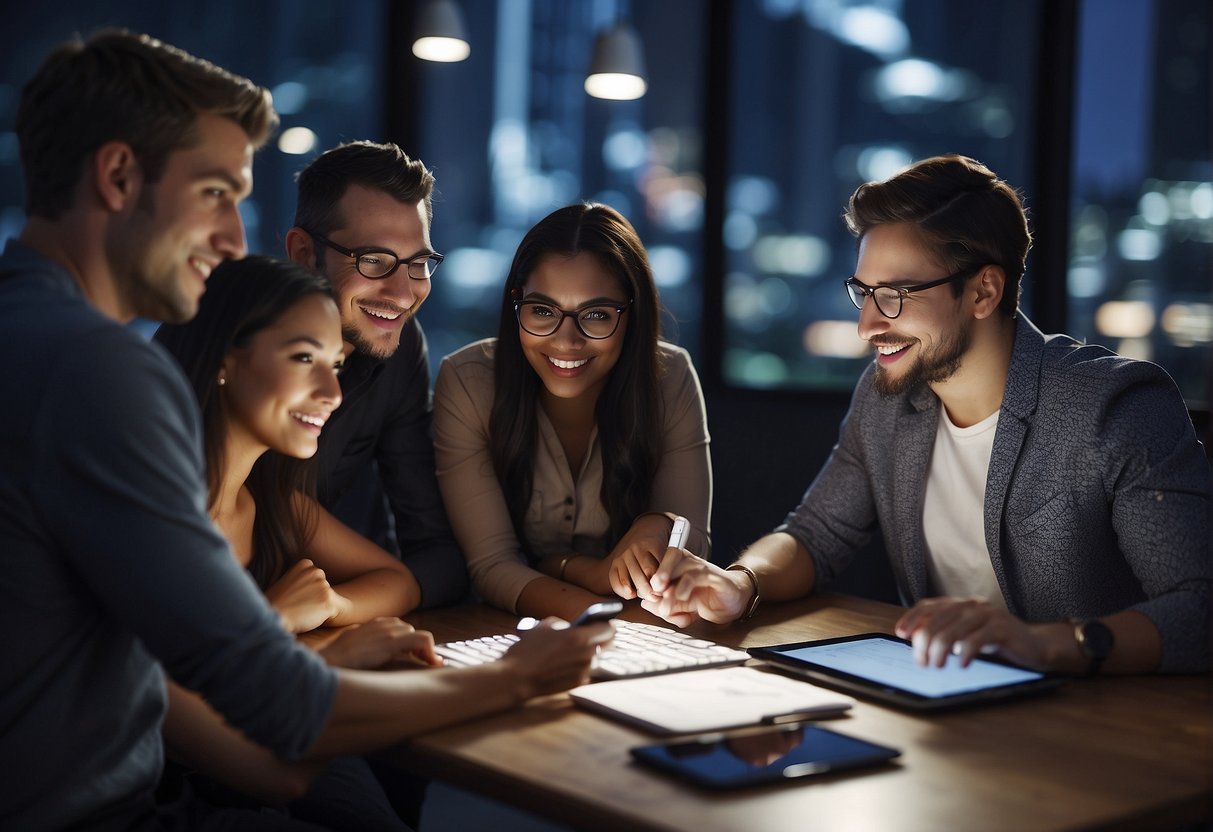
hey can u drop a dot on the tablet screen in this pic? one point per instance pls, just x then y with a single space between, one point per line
892 663
884 666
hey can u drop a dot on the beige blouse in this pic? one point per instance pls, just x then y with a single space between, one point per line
565 516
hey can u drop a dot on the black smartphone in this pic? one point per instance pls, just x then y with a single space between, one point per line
602 611
784 752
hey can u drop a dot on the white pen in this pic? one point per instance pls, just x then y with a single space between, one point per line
678 534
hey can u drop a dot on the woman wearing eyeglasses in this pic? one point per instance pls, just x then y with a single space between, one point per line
566 445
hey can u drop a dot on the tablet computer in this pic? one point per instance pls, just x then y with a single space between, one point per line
882 667
786 752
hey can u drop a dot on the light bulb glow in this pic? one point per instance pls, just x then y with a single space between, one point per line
615 86
442 50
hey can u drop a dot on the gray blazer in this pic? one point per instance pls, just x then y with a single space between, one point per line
1097 496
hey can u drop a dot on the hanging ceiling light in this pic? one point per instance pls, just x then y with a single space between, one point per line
617 65
441 33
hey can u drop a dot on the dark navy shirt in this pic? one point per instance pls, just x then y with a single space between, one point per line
384 419
111 569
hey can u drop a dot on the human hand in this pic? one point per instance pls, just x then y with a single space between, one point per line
687 587
637 556
303 597
379 642
553 656
965 627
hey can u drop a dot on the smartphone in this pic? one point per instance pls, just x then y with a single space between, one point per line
602 611
784 752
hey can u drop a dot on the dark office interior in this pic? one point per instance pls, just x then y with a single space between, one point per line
759 119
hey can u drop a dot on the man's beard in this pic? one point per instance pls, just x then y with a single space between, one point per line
939 364
379 349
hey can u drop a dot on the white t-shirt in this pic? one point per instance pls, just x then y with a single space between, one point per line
958 561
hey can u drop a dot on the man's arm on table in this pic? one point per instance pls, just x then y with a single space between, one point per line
375 709
687 587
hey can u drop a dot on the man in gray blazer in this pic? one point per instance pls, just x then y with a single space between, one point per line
1040 499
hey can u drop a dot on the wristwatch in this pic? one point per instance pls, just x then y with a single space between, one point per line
1095 641
748 613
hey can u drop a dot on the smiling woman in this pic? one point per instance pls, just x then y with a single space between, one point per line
263 356
566 444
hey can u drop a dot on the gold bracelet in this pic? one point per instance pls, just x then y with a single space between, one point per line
753 605
564 562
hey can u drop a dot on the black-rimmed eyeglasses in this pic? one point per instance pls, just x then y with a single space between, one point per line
889 298
595 321
378 263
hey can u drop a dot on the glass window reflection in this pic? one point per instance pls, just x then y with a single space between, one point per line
1141 244
845 93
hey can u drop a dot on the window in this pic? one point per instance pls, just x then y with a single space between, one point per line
511 135
320 59
1141 235
825 96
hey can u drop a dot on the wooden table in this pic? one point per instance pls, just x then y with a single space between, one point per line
1115 753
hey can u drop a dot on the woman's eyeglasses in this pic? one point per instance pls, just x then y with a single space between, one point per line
595 321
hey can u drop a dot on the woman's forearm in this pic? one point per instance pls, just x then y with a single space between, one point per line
381 592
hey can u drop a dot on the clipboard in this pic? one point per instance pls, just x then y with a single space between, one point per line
695 701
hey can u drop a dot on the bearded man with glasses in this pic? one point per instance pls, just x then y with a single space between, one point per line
363 220
1040 499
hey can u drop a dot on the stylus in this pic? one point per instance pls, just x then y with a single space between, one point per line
678 534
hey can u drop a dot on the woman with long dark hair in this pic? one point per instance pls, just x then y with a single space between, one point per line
263 360
566 445
262 356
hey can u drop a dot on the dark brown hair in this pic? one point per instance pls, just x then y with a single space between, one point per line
964 212
628 410
380 167
242 298
123 86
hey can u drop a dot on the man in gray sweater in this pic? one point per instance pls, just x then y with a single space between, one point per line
1039 499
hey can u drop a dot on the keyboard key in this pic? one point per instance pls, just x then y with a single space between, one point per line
638 650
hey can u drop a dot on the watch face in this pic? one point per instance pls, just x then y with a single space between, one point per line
1096 640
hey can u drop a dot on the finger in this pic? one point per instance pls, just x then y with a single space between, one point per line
960 629
667 570
690 576
664 609
598 634
638 578
939 649
920 641
620 585
423 648
912 619
967 649
647 563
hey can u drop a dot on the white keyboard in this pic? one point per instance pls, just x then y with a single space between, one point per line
638 650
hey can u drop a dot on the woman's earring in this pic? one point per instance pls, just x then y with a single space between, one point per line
222 380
